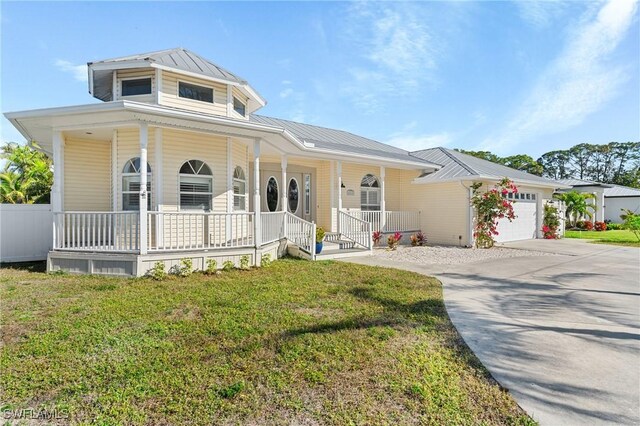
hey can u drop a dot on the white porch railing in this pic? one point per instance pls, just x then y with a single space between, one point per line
180 231
273 226
301 233
96 231
356 230
395 221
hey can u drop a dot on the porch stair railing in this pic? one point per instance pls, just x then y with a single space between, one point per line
356 230
395 221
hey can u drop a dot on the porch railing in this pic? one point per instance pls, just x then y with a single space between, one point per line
96 231
395 221
356 230
181 231
301 233
273 226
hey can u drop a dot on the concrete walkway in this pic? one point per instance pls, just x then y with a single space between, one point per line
560 332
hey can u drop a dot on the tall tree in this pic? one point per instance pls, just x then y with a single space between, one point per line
525 163
26 177
555 165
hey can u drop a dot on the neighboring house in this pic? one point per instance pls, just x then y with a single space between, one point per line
609 200
175 164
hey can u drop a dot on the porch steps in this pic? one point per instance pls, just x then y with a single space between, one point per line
341 253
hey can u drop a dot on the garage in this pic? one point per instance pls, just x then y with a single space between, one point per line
524 226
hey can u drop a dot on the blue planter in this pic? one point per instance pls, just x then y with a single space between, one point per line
318 248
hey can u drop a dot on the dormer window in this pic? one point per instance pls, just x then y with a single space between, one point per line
239 107
193 91
138 86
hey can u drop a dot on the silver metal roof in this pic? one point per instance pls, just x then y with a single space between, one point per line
582 182
457 165
181 59
340 140
610 190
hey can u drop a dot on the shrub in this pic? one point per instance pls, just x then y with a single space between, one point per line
614 226
394 240
631 222
186 267
550 222
490 206
588 225
212 267
600 226
265 260
157 272
418 239
377 236
228 265
244 262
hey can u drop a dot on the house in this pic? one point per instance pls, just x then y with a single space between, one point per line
609 200
174 163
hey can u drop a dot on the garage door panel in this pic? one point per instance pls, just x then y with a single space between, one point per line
523 226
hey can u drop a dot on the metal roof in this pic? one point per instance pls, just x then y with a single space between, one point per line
182 59
457 165
340 140
610 190
582 182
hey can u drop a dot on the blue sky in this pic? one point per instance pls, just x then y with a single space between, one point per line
525 77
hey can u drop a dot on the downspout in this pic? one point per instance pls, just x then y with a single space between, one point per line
470 212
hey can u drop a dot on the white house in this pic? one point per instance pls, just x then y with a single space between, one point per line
610 199
174 163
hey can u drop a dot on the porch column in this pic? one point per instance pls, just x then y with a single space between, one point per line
144 140
57 192
283 166
339 194
600 206
256 196
383 206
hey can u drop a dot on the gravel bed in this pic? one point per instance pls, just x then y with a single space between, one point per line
448 255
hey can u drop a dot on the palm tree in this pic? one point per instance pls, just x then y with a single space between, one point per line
576 205
26 177
14 189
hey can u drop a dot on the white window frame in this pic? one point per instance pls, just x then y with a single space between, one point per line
135 175
370 189
244 104
266 200
208 178
307 194
239 196
136 78
213 93
289 199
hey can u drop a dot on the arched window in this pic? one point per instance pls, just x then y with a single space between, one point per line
196 186
369 193
131 185
239 190
272 194
293 195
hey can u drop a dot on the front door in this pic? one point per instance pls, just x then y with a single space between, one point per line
298 187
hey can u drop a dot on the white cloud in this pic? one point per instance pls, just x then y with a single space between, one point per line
541 14
577 83
286 93
79 72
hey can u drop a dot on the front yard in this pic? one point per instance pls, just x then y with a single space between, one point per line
296 343
621 237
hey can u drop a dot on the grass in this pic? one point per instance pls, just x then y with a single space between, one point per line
621 237
298 342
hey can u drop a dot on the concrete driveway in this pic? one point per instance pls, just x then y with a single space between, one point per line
561 332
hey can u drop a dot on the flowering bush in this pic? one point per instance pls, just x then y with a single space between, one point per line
550 222
377 236
600 226
418 239
585 225
491 206
393 240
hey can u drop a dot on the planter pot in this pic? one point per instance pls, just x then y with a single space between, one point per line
318 248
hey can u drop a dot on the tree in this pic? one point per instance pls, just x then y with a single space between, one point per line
576 205
26 177
485 155
525 163
554 164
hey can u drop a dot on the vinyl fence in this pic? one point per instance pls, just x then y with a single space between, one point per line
26 232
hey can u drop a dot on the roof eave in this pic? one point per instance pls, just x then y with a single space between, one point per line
550 184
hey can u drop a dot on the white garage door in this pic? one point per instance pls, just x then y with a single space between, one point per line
523 226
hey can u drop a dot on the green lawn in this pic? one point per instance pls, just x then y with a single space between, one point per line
298 342
618 237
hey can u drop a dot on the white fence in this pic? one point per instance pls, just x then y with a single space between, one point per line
25 232
395 221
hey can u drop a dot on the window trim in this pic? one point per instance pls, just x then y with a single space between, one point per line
124 175
213 92
289 199
203 176
367 189
277 197
244 106
135 78
239 195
